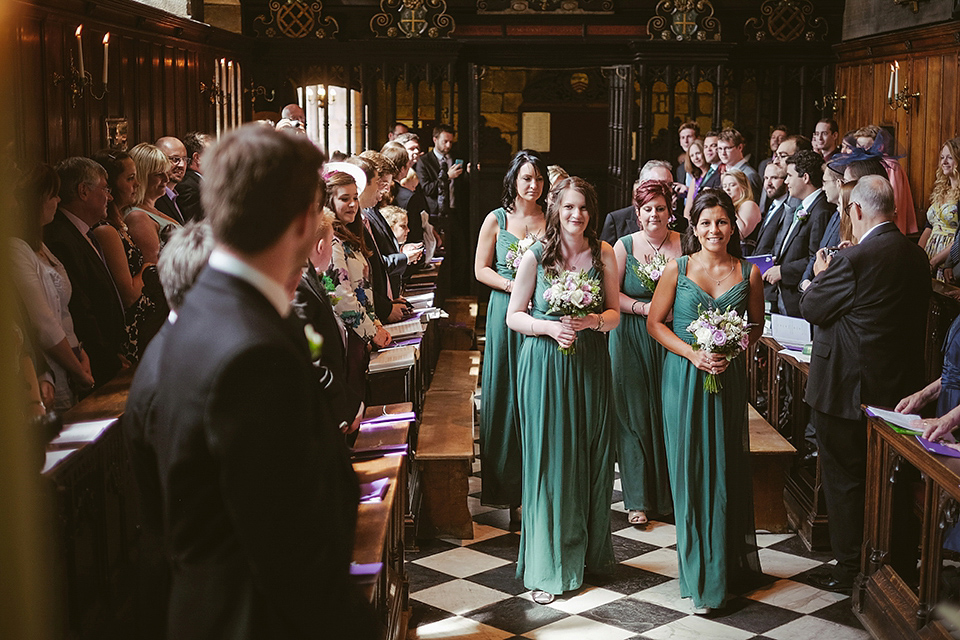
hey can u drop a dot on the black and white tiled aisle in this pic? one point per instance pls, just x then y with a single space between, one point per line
467 590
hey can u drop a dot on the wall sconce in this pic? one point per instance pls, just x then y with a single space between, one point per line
79 79
913 4
830 102
899 98
225 93
259 92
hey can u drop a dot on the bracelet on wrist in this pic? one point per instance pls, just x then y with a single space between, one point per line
599 322
633 307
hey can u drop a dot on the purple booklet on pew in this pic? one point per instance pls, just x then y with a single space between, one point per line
391 417
365 572
763 262
939 448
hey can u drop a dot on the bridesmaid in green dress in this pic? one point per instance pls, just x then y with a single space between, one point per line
565 406
519 220
707 436
637 360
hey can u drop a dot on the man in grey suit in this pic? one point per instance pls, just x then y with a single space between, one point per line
869 303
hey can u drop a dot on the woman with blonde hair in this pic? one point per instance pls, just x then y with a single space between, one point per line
736 185
147 225
938 235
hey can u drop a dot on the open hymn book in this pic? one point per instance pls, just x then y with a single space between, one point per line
393 359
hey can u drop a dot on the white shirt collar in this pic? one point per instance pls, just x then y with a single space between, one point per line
272 290
808 201
871 229
81 226
439 155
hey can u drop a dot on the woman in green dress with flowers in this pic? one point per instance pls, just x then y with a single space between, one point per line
564 398
707 437
637 358
505 234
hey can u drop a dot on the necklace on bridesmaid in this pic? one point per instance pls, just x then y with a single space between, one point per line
704 267
662 242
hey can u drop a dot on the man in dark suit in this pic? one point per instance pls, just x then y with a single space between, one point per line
188 190
781 205
95 305
799 235
689 131
869 303
730 148
231 441
176 153
777 135
711 154
623 222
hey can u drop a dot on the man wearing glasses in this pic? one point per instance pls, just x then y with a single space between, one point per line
176 152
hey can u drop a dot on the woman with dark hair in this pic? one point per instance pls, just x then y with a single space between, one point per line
145 309
637 358
44 288
564 398
707 436
518 223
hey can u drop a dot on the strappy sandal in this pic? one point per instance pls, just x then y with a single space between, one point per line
542 597
637 518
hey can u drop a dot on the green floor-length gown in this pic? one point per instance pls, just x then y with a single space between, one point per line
499 415
566 431
707 441
637 361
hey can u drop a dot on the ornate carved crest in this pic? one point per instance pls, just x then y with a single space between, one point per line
544 6
295 19
412 19
786 21
684 20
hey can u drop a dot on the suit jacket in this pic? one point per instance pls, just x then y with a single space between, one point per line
169 208
382 303
231 440
312 305
413 202
98 315
188 196
394 260
712 181
797 250
754 178
428 170
619 223
767 239
831 238
870 309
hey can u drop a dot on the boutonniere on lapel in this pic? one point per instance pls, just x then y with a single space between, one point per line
802 215
314 341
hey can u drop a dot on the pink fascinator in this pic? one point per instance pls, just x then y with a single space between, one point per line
350 169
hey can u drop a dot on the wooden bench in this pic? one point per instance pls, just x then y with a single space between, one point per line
459 331
444 452
770 456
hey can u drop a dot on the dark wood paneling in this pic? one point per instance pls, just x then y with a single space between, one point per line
157 62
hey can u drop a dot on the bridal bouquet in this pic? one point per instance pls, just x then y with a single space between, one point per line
572 293
723 332
651 272
515 251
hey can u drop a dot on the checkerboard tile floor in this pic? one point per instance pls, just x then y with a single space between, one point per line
467 589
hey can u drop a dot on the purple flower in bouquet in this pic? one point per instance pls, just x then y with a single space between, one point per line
651 272
726 333
572 293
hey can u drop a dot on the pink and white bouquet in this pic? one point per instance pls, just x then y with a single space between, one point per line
573 293
515 251
651 272
723 332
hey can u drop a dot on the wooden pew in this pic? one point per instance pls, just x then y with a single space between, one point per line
770 456
445 448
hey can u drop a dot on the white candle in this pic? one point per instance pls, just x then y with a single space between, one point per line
230 80
216 90
890 88
239 96
896 81
79 34
106 58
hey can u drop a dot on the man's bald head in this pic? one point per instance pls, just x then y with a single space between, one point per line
176 152
871 203
294 112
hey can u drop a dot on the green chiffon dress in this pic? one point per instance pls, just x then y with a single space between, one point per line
566 430
499 414
637 371
707 440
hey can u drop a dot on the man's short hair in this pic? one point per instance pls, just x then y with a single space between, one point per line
711 134
690 125
183 258
780 127
256 182
404 138
366 165
443 128
650 165
875 195
732 137
808 163
196 142
779 168
397 154
872 166
76 170
834 127
802 142
380 161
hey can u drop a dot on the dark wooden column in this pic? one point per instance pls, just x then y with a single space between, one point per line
620 84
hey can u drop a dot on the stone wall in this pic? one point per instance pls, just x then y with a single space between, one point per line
176 7
501 94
